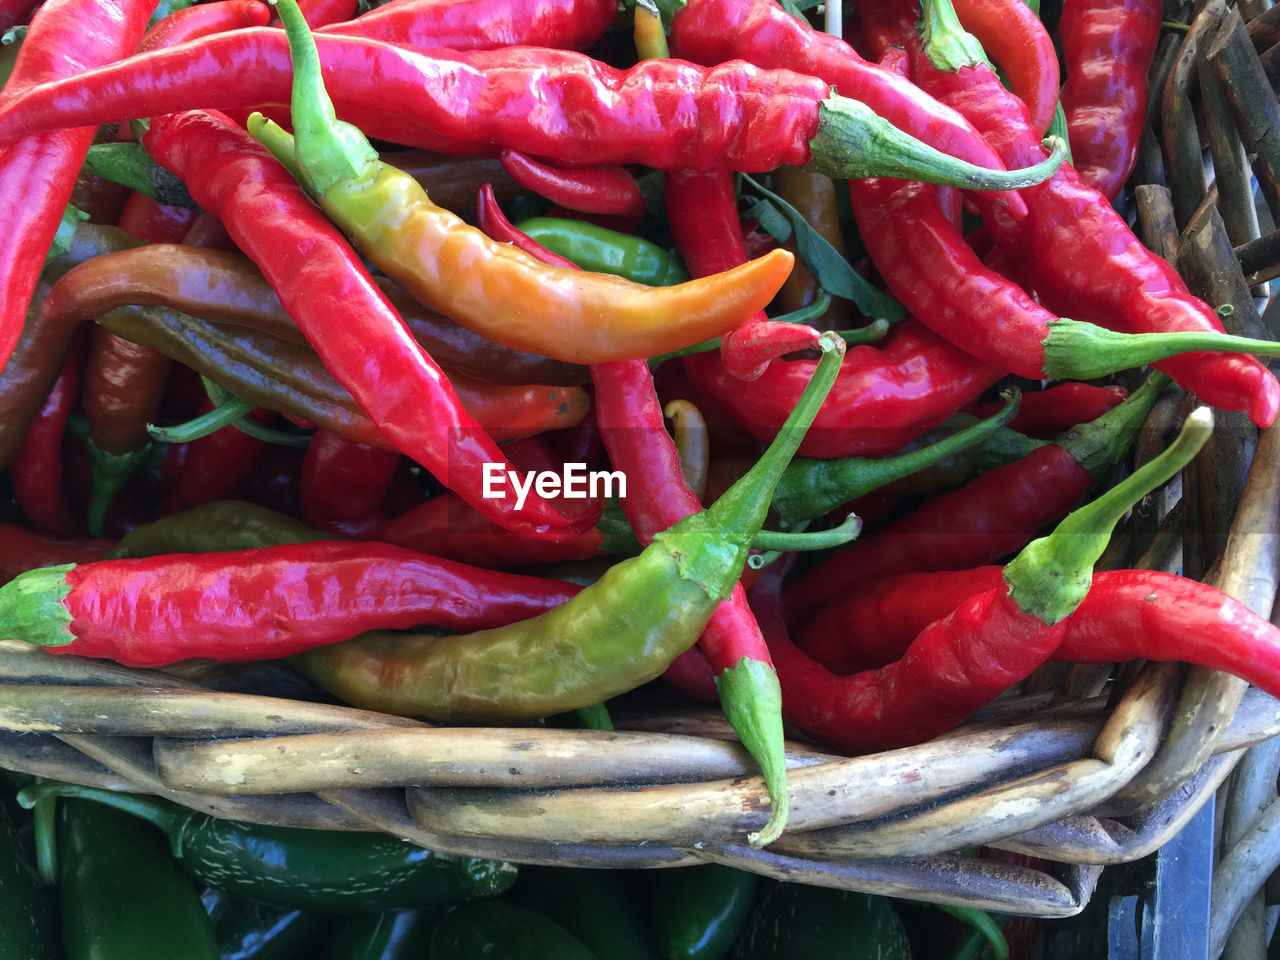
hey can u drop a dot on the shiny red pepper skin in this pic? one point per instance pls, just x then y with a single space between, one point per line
598 189
763 33
954 666
702 210
483 24
1046 413
276 601
203 20
929 268
344 484
37 175
22 550
666 114
993 515
1098 271
1127 615
885 396
36 473
344 314
1107 49
1016 39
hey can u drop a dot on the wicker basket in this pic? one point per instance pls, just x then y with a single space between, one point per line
1081 768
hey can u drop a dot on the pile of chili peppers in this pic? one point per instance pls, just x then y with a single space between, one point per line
351 339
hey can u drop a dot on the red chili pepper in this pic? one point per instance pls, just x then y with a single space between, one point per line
1017 41
482 24
992 640
598 189
343 313
702 211
344 484
1106 49
227 606
630 419
1100 272
217 466
203 20
762 32
323 13
1047 413
989 517
37 174
22 550
558 105
885 396
36 472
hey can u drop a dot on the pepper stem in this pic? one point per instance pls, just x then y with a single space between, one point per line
853 142
1099 444
167 816
947 44
809 540
329 151
223 415
1052 574
111 473
812 488
31 607
710 547
1075 350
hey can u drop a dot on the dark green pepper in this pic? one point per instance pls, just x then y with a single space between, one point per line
122 893
795 921
28 926
493 929
697 913
600 907
334 871
394 935
248 930
601 250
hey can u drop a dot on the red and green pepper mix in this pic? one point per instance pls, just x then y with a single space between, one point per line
378 409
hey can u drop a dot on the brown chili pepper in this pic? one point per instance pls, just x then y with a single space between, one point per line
37 360
814 197
226 287
291 379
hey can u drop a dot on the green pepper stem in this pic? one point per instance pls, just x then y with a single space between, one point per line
809 540
223 415
812 488
1051 575
329 151
31 606
1100 444
710 547
169 817
45 831
751 698
853 142
947 44
111 473
1075 350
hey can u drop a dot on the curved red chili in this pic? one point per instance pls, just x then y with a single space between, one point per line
37 175
203 20
1106 50
608 189
36 473
1018 42
343 313
227 606
885 396
344 484
1099 271
22 550
991 516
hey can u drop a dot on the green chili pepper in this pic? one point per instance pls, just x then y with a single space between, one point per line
498 929
248 930
697 913
122 893
394 935
601 250
794 921
620 632
599 907
335 871
28 925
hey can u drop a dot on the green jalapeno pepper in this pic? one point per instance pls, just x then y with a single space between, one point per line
498 928
794 921
28 927
697 913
